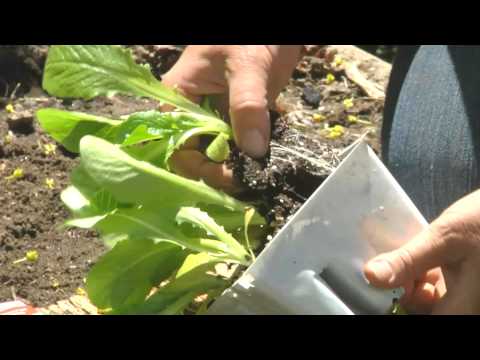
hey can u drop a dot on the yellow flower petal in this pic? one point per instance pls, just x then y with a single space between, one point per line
50 149
9 108
335 132
338 60
318 118
50 183
32 255
330 79
17 174
352 119
81 292
348 103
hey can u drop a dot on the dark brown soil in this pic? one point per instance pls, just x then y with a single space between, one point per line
281 182
30 218
32 214
20 65
161 58
301 157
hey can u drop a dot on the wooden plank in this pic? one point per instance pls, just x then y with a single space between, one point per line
372 67
83 303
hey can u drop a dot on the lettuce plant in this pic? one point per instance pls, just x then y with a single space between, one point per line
165 233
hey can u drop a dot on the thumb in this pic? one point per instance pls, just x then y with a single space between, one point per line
402 267
249 108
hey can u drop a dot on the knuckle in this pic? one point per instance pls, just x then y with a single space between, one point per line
247 58
248 105
406 260
455 233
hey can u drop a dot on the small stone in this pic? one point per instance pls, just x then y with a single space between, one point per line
20 121
311 97
299 73
318 71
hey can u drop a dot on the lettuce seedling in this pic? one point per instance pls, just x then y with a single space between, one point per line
159 227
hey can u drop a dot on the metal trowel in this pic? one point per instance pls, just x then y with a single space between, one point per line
314 265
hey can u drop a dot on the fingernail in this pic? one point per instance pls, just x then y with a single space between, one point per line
382 270
254 144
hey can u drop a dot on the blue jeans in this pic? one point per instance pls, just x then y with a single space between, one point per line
431 131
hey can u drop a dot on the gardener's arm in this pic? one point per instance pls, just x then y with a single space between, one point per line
440 268
247 78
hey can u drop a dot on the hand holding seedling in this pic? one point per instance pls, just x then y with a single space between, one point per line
439 268
166 233
248 80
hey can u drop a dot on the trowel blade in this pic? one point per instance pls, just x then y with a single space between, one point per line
314 266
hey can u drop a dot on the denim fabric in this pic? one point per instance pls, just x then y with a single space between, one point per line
431 133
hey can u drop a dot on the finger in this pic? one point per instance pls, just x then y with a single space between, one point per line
423 299
194 165
409 289
433 277
197 73
176 80
191 144
249 114
409 263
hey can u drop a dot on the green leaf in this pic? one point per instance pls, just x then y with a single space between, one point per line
397 309
230 220
219 149
126 274
85 198
87 71
179 293
141 223
194 261
69 127
178 306
136 182
201 219
249 214
86 222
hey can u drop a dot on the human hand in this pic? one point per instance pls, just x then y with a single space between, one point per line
440 268
246 79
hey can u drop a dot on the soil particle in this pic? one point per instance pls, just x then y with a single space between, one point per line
283 181
311 97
